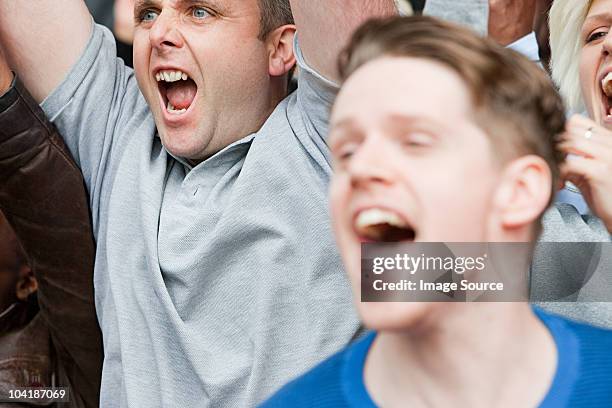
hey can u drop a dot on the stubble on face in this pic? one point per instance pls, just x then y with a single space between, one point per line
226 60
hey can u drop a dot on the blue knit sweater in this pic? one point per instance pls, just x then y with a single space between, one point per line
583 377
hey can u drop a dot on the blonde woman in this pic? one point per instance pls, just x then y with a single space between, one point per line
581 46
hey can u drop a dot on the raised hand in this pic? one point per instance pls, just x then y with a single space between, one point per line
589 164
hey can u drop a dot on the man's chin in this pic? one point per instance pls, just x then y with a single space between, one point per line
182 145
394 316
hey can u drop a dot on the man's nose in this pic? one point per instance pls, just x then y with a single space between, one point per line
165 34
370 163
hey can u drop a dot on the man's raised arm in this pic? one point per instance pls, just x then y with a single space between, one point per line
325 26
42 39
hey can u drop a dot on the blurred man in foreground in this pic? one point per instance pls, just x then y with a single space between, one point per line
491 118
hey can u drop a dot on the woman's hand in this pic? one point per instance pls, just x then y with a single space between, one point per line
589 164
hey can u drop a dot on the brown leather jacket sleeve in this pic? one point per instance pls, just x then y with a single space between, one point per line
43 196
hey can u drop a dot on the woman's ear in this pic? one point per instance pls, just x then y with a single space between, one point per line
281 52
524 192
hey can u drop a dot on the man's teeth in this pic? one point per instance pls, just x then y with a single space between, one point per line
171 76
173 110
376 216
606 84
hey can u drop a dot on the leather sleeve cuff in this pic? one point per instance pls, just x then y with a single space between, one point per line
25 130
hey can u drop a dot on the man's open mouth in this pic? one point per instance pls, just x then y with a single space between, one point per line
177 89
381 225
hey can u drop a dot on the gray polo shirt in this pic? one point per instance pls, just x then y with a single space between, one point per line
471 13
562 272
215 285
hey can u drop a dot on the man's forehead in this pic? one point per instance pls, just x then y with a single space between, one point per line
410 86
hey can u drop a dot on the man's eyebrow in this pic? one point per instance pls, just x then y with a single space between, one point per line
143 4
344 124
211 3
402 121
343 129
396 121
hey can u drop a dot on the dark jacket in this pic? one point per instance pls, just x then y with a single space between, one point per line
42 195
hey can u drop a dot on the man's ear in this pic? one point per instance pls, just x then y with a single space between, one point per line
524 192
281 53
26 284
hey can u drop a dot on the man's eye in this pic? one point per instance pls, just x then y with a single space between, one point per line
200 13
345 155
148 16
414 140
345 152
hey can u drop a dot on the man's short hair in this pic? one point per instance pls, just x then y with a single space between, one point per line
274 14
515 102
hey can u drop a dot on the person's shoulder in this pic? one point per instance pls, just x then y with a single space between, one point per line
594 386
595 343
585 333
322 386
593 346
562 222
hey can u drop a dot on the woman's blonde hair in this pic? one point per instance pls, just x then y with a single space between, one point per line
566 18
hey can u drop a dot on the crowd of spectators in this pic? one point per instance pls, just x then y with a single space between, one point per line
165 238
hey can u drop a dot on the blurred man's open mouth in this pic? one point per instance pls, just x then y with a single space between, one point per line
381 225
177 90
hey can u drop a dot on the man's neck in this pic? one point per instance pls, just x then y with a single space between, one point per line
277 91
474 354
